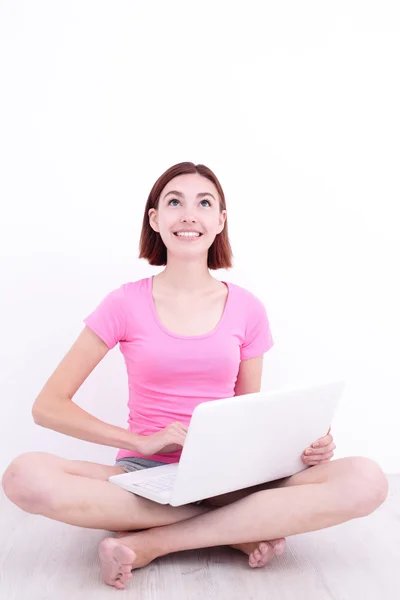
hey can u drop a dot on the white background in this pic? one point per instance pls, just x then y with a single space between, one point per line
294 106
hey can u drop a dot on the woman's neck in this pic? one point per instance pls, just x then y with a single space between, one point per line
186 276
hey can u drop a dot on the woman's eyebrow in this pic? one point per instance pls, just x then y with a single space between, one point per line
182 195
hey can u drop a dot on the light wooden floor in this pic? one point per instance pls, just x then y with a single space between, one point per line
42 559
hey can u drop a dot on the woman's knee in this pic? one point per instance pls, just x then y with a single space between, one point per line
24 481
367 484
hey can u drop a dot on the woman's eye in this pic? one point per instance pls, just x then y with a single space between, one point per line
174 200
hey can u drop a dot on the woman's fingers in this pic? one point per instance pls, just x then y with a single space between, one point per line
181 426
324 441
322 449
310 460
180 433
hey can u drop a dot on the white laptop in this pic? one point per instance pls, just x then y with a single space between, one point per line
238 442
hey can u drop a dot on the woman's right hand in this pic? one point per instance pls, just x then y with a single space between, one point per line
169 439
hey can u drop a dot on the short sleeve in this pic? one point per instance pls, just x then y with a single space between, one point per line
258 337
108 319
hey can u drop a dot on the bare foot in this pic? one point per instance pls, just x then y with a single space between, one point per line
261 553
118 561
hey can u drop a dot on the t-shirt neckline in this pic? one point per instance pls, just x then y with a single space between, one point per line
186 337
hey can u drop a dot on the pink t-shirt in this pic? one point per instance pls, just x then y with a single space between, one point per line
169 374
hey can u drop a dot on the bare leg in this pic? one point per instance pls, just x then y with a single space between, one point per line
322 496
79 493
260 553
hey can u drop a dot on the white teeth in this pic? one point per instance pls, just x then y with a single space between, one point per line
187 234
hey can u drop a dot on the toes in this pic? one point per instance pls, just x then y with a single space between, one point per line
252 560
267 556
118 584
116 563
115 582
263 547
125 569
278 546
125 578
265 552
257 555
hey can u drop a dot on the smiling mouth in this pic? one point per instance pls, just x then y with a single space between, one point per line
188 234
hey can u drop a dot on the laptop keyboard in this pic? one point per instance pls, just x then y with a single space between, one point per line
162 483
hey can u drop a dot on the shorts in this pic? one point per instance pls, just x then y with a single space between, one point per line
135 463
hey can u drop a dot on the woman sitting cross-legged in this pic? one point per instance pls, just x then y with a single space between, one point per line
186 338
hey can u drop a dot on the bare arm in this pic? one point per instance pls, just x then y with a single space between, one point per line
54 408
249 376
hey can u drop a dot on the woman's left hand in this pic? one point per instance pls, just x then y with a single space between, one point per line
321 451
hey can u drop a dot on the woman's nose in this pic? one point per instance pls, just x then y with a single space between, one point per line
188 218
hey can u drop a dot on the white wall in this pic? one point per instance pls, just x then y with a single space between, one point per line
294 105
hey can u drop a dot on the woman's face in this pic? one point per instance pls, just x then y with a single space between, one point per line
188 216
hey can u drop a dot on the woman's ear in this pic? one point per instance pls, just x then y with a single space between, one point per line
153 219
222 219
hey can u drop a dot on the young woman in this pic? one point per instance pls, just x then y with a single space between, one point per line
186 338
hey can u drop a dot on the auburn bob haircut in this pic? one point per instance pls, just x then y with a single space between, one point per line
152 247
